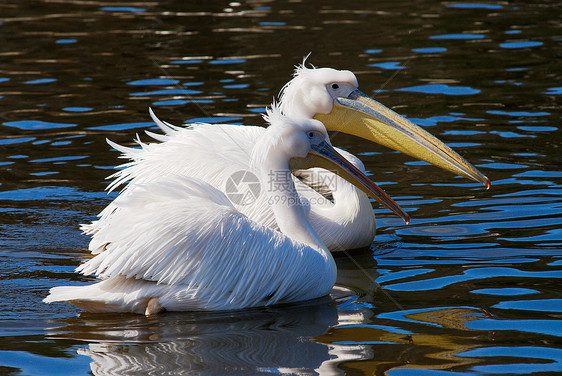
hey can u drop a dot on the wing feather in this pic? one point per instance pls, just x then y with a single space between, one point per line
182 231
209 152
204 150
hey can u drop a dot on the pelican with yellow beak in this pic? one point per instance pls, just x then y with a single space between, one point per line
344 221
333 97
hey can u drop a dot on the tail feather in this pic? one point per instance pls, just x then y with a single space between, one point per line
163 125
105 296
121 294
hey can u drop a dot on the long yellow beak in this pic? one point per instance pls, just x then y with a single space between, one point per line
325 156
364 117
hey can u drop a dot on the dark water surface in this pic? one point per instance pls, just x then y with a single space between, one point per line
470 287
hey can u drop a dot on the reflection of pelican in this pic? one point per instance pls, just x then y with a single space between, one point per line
241 342
179 244
347 221
248 342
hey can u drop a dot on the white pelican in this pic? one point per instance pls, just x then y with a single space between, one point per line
179 244
326 94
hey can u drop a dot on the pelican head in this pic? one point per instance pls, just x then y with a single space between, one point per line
332 96
305 143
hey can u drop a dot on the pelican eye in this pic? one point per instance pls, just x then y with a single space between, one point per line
335 86
310 134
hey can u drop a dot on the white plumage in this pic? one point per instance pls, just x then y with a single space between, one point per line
213 153
178 243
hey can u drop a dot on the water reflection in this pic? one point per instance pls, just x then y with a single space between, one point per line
311 338
245 342
415 347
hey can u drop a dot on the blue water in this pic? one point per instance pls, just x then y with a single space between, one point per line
471 286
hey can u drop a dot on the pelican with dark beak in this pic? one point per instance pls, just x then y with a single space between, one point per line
179 244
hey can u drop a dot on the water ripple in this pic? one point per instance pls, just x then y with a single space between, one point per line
506 291
522 44
468 275
458 36
551 305
547 327
474 6
441 89
36 124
